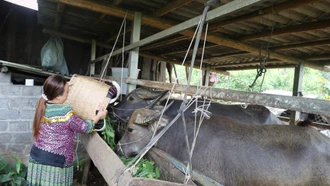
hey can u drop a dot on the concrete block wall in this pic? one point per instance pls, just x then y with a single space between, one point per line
17 107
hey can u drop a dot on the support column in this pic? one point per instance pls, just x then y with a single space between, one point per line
91 73
93 55
207 76
297 87
133 58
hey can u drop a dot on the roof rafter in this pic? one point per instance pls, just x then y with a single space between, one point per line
287 30
60 10
161 24
170 7
266 11
271 10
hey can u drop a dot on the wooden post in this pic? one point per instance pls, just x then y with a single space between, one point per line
297 87
146 69
133 58
93 55
207 76
92 72
162 71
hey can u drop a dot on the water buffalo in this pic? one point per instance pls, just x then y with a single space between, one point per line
233 153
142 98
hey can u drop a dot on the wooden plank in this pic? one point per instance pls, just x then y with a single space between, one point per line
309 105
106 161
167 170
173 166
26 68
152 182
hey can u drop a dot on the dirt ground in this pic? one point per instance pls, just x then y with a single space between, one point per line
94 178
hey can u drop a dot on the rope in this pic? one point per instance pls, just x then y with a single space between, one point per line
113 48
183 107
262 66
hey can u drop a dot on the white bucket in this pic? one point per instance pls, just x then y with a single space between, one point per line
29 82
116 72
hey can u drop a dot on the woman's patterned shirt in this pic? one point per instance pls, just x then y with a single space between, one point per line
58 126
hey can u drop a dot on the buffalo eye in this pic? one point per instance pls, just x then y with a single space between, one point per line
129 129
131 98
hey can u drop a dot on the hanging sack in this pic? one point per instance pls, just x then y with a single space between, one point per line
52 56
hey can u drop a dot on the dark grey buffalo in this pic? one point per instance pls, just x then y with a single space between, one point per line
142 98
233 153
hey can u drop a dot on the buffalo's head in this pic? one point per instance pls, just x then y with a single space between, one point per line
138 98
142 125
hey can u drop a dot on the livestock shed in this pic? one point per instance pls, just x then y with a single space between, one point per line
98 38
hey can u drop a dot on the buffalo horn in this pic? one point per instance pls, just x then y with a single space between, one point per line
153 103
156 116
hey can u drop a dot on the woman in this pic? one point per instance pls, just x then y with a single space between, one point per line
54 126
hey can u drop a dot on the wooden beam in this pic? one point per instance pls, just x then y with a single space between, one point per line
319 57
75 38
150 56
60 10
26 68
184 51
171 29
300 45
271 10
255 67
100 19
116 2
302 104
106 161
288 30
256 50
162 43
89 41
227 55
252 63
174 4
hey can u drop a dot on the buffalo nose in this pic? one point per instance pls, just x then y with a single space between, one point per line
119 150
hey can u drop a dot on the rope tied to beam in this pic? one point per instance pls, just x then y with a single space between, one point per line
262 66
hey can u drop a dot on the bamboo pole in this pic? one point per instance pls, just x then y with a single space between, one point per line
309 105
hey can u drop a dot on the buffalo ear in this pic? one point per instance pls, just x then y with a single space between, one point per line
155 126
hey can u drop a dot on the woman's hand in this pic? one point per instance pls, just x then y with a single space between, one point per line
102 113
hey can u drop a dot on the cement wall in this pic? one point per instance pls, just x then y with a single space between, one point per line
17 108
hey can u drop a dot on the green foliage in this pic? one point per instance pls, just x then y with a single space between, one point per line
12 174
314 82
144 169
108 135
